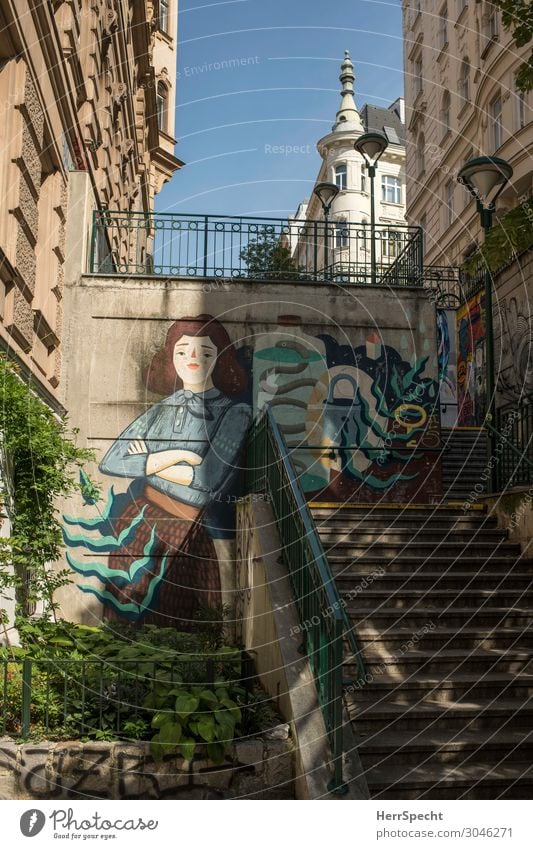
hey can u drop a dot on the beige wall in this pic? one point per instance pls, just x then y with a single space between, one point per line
473 32
78 92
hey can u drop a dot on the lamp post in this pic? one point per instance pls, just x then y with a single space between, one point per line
326 193
485 177
372 146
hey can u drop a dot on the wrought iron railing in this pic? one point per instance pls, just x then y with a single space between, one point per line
320 607
513 440
229 248
451 285
88 697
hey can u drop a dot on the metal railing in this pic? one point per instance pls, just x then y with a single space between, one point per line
451 285
58 696
320 607
231 248
513 435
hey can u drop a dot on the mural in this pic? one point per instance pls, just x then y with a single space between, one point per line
361 422
447 361
513 350
157 559
353 416
470 362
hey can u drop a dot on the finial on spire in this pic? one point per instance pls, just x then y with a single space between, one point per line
347 114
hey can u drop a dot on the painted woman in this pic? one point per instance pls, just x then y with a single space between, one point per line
183 454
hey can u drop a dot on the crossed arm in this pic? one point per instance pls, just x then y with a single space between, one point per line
175 465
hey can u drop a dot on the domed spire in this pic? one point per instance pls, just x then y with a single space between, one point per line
348 117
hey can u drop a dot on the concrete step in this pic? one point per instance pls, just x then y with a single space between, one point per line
492 536
444 548
456 688
384 600
454 617
432 714
432 635
475 662
393 582
444 747
466 521
409 563
480 780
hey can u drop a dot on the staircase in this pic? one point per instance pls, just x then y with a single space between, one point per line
442 605
464 461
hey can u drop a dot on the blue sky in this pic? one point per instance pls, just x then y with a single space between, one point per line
273 83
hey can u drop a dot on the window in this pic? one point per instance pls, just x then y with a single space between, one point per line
162 106
390 244
164 15
461 6
341 233
341 176
491 22
520 106
421 153
449 190
418 75
443 27
445 112
496 122
363 236
363 178
392 135
391 189
464 82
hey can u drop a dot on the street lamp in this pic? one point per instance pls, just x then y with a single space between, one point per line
485 177
326 193
372 146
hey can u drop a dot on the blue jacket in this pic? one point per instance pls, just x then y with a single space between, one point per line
208 423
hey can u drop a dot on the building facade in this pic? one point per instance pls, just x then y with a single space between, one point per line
345 167
461 102
87 90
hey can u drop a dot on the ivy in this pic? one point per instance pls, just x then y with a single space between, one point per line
517 16
511 236
40 457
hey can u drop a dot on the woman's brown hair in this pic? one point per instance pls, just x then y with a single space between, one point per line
228 374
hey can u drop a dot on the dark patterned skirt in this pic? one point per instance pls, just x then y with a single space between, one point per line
191 577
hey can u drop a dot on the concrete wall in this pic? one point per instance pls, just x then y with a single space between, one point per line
354 367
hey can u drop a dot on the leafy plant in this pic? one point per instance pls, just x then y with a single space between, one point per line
518 17
512 235
267 258
39 458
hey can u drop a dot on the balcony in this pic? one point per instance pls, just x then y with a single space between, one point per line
254 249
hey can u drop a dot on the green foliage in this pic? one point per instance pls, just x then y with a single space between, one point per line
135 684
267 258
41 454
512 235
517 16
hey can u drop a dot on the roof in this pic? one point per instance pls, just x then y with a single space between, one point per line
380 120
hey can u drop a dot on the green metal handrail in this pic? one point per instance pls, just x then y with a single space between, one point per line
325 625
518 439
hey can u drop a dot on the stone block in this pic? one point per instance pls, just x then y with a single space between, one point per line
65 761
8 770
279 764
92 772
33 777
250 753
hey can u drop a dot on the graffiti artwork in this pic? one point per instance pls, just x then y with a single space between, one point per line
470 362
353 416
157 561
361 423
513 350
447 361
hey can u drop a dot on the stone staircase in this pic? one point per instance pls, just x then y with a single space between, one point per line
442 605
464 461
